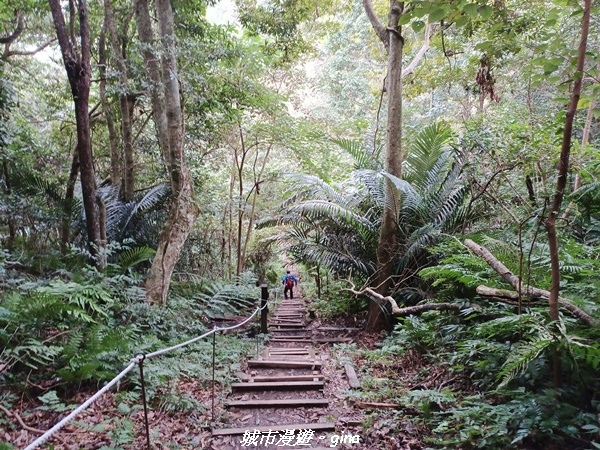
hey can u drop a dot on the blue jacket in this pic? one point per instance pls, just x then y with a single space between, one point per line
285 277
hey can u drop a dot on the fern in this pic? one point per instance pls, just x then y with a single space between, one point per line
364 158
133 256
521 357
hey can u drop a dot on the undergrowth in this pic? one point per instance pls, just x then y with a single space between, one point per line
74 330
483 378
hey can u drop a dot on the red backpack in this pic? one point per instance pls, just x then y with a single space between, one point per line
289 282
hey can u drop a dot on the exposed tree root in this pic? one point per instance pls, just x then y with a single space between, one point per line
20 420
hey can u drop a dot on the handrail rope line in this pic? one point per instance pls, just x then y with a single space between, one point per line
48 434
136 360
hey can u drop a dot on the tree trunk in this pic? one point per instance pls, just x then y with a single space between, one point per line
169 122
12 226
240 202
561 182
77 65
387 246
585 139
254 192
113 140
125 104
65 226
151 59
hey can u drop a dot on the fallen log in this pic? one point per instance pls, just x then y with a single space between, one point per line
513 280
351 375
376 405
408 310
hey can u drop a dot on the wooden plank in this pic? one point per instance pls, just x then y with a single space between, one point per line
306 348
285 352
376 405
280 403
338 329
290 336
332 340
290 339
352 378
284 364
287 322
283 329
266 378
327 426
278 386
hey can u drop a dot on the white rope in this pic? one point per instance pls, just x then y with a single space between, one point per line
214 330
136 360
48 434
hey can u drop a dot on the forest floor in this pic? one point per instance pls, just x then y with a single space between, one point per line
110 424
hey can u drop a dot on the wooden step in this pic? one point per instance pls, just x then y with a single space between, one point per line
327 426
291 339
290 336
338 329
289 351
332 340
278 386
292 330
274 363
280 403
286 352
274 378
286 323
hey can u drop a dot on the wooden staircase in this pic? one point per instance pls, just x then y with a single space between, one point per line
281 396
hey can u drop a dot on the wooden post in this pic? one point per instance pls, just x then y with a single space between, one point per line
264 296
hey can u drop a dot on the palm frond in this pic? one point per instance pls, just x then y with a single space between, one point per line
363 157
134 256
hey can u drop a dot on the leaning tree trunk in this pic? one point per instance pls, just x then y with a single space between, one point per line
169 120
113 139
387 246
561 182
77 65
126 101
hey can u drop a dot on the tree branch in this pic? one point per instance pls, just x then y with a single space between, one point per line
420 54
529 291
8 53
409 310
18 30
379 28
20 420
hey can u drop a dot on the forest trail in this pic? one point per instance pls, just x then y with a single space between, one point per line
286 397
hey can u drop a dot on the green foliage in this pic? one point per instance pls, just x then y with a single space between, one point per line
51 402
219 297
337 225
282 21
65 329
336 303
477 352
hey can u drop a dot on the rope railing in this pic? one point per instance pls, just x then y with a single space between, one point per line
138 360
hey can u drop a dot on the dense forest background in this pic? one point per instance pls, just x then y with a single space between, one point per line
430 166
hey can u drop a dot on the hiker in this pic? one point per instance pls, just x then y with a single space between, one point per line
289 281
